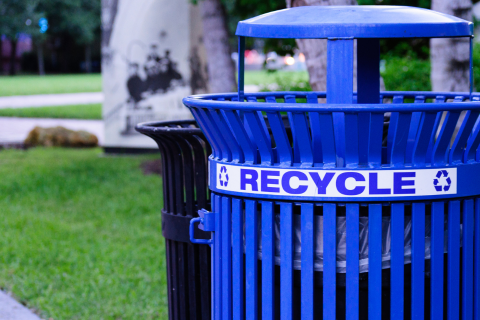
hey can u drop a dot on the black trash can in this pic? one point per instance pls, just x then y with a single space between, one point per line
184 151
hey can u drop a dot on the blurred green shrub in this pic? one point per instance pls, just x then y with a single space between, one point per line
286 83
406 74
476 66
400 73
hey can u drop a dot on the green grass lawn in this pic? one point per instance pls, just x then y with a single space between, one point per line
262 77
81 235
83 111
24 85
34 84
71 83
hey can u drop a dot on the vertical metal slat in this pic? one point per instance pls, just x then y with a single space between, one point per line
329 260
314 128
397 225
453 262
340 89
326 132
302 138
248 148
352 277
234 150
226 258
290 98
307 264
194 307
472 143
413 130
436 261
218 256
442 144
467 263
351 144
368 91
399 139
286 261
251 253
198 115
419 152
217 135
392 127
459 145
237 260
375 139
476 276
433 135
260 138
268 261
375 261
282 143
418 261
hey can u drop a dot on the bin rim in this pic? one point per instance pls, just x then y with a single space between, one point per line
162 127
220 101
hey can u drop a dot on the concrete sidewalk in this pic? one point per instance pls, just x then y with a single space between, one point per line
42 100
15 130
10 309
65 99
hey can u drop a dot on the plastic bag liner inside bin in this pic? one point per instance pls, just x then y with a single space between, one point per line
341 242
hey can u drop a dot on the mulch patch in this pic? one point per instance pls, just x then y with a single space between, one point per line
152 167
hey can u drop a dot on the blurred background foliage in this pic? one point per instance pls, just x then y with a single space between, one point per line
405 63
401 70
71 43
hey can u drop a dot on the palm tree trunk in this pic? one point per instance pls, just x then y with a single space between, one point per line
221 70
450 56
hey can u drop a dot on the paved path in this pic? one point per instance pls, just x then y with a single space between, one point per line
252 88
15 130
65 99
10 309
51 100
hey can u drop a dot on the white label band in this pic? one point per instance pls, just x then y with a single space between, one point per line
336 183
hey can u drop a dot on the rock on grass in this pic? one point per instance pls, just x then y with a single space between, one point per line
60 137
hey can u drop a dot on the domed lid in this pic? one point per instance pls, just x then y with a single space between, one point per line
317 22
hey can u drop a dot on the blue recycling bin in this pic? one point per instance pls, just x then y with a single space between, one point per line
365 206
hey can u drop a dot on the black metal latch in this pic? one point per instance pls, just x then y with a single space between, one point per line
206 223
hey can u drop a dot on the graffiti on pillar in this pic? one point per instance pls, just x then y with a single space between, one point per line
161 75
156 76
152 57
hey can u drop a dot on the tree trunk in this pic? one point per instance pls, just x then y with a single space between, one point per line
88 58
221 70
315 50
41 62
13 55
450 56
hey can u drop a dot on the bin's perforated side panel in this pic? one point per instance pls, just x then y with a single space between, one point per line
250 285
188 280
184 153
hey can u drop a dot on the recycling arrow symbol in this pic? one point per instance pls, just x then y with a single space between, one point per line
223 176
442 184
